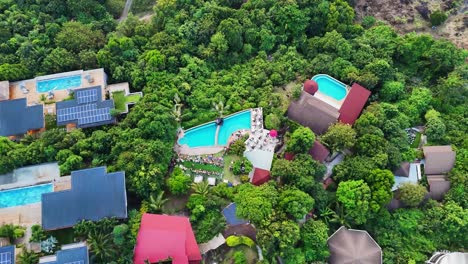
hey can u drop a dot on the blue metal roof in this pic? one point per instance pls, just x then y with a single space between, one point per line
95 194
77 255
16 118
230 214
7 255
86 110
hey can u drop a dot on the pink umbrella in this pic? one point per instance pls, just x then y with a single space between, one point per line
273 133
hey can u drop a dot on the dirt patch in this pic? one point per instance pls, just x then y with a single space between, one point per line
413 15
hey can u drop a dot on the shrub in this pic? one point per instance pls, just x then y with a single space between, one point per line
296 91
179 183
272 121
368 21
239 258
37 234
234 241
238 146
12 232
244 178
119 233
437 18
49 245
242 166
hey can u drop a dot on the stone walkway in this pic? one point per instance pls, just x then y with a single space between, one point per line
214 243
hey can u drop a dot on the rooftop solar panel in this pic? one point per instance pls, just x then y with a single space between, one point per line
86 96
5 258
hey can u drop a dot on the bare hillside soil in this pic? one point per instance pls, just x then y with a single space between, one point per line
413 15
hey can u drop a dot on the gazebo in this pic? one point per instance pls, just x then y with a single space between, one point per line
350 246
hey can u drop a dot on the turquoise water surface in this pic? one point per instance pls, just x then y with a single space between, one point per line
204 135
22 196
56 84
232 124
331 87
201 136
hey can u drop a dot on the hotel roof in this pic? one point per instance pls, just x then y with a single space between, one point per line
319 152
353 104
164 236
16 118
260 176
439 159
86 110
312 112
94 195
73 253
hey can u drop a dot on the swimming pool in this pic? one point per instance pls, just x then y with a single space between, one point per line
22 196
231 124
62 83
201 136
204 135
330 86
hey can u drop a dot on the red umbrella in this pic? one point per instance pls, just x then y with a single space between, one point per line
273 133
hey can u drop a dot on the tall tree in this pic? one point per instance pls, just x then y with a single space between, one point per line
301 140
355 196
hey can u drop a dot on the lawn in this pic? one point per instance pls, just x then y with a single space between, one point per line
228 175
417 140
120 99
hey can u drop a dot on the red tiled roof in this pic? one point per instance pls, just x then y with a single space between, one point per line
353 104
289 155
319 152
162 236
260 176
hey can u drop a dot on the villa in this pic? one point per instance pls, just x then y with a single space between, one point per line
164 237
71 253
94 195
78 98
325 100
439 160
353 246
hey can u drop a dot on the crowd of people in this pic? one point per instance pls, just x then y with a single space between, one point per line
202 159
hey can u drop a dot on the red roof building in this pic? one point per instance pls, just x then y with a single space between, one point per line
310 86
319 152
260 176
162 237
353 104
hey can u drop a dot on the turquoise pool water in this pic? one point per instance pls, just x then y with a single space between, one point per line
232 124
22 196
201 136
63 83
331 87
204 136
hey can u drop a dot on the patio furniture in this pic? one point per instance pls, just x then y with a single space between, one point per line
212 181
198 179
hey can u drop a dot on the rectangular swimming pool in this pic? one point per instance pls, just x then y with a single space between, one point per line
61 83
23 196
330 86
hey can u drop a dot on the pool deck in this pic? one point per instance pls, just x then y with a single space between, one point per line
34 98
42 173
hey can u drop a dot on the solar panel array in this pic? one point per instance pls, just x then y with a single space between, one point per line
75 262
5 258
86 96
85 114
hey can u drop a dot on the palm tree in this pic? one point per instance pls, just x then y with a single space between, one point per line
220 108
101 246
28 257
156 203
177 113
201 188
340 218
177 101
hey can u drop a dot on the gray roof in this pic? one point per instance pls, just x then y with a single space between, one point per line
98 103
94 195
311 112
69 255
7 255
353 247
16 118
438 186
439 159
